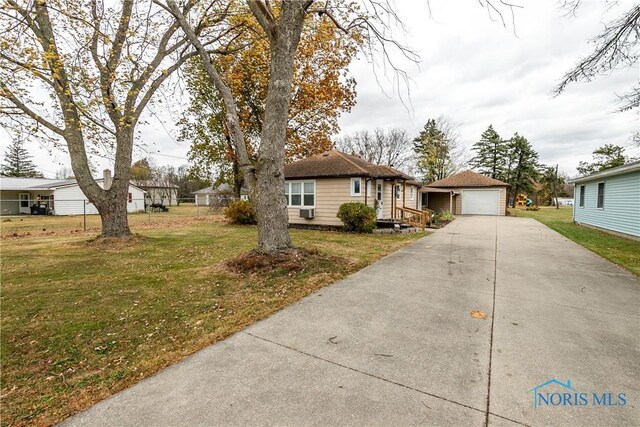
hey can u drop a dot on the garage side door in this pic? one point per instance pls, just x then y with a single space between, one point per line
480 202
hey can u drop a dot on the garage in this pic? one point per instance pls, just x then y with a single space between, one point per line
466 193
480 202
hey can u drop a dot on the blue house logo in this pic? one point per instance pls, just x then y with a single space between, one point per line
556 393
545 397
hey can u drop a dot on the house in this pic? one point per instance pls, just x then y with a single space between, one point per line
218 196
315 188
466 193
61 197
609 200
159 192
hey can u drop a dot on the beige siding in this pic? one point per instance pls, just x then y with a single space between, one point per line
439 202
333 192
330 194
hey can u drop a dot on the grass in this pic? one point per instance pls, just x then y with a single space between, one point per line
84 319
49 225
619 250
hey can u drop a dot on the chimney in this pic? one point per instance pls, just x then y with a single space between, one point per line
106 174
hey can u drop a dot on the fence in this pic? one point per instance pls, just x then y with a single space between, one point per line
46 215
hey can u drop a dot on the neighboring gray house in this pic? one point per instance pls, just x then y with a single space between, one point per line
609 200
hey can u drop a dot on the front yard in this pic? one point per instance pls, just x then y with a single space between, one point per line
82 320
619 250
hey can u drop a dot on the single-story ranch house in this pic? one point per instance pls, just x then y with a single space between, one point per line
315 188
610 200
467 193
61 197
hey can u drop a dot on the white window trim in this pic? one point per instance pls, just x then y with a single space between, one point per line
412 192
302 194
398 192
582 189
351 182
604 189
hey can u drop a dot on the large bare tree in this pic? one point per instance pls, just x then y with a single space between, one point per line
84 73
617 46
391 147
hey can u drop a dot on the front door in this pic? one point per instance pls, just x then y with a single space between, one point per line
24 203
380 198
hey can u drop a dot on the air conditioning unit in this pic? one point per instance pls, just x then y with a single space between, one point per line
307 213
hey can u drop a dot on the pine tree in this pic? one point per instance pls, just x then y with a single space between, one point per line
523 167
491 155
433 154
18 161
606 157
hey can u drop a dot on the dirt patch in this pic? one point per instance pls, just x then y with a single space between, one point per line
294 260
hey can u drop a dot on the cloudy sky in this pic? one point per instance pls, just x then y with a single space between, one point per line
476 72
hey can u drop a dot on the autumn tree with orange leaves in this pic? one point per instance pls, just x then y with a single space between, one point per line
322 90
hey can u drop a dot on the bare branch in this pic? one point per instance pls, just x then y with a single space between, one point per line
8 94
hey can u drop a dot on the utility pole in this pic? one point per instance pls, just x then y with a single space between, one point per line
555 187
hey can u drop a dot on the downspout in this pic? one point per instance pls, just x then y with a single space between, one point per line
451 202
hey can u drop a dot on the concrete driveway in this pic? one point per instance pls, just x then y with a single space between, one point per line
395 344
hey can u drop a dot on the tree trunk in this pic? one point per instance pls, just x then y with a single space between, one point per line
268 192
113 213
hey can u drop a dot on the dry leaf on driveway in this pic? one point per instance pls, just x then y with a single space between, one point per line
477 314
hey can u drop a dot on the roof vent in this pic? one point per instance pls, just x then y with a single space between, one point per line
325 154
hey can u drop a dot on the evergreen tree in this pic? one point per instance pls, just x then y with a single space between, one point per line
17 161
606 157
432 150
522 166
491 155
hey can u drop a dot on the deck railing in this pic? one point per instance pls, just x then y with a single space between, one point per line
415 217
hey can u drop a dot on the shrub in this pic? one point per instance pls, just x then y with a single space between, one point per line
240 212
445 216
357 217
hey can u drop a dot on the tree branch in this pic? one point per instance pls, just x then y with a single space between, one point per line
8 94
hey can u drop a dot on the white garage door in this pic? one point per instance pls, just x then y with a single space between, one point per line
480 202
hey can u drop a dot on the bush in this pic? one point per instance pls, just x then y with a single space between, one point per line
357 217
240 212
445 216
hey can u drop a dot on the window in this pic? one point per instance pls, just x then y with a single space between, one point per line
410 193
601 195
356 187
398 192
130 197
300 194
581 202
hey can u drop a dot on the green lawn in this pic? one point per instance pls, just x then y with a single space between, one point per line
82 320
622 251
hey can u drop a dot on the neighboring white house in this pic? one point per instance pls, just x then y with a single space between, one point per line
159 192
62 197
219 196
610 200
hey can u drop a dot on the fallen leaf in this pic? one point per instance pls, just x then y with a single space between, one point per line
477 314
